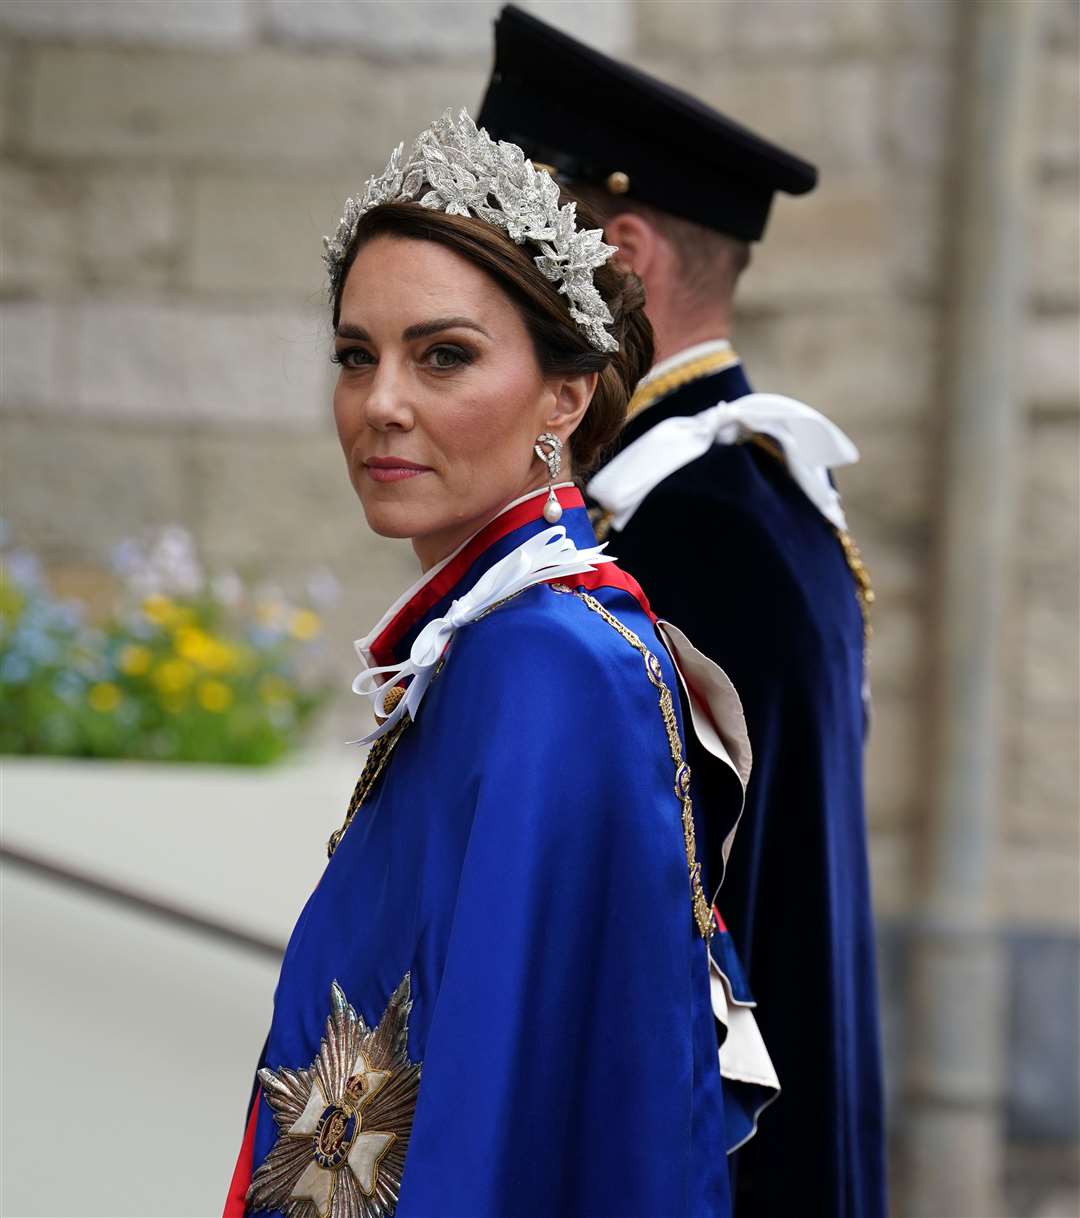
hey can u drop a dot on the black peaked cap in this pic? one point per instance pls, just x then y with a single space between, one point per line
591 117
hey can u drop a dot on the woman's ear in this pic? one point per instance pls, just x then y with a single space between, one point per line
572 395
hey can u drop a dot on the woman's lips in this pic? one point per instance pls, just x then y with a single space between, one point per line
394 469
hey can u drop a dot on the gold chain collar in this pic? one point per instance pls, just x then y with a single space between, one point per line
698 903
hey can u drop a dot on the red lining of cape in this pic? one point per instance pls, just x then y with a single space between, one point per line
235 1204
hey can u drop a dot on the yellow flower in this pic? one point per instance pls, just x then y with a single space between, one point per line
172 676
304 624
135 659
190 642
214 696
103 697
163 611
159 609
203 649
273 688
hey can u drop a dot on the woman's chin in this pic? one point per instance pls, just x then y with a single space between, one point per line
391 508
393 522
392 512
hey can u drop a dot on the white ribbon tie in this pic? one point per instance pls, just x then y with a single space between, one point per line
812 445
545 556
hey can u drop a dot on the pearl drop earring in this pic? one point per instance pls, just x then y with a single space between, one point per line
548 448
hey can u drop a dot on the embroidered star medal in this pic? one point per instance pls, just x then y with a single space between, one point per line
344 1122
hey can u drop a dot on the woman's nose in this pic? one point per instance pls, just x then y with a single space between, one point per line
388 404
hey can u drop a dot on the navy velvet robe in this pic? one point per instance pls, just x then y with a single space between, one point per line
731 550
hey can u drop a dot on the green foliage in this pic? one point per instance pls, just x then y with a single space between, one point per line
181 668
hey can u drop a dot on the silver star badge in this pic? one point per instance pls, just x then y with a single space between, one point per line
344 1122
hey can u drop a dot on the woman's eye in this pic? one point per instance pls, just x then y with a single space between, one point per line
445 358
352 357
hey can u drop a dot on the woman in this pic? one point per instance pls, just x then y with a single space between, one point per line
504 970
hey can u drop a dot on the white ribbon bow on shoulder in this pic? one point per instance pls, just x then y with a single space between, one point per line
812 446
547 555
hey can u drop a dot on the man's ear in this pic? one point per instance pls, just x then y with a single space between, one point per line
637 239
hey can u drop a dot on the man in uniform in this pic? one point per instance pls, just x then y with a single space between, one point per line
721 503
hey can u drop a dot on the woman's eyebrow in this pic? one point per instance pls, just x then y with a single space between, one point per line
425 329
345 330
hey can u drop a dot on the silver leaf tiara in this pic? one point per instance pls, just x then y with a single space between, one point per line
467 173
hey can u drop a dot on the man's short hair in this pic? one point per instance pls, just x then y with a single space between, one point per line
710 263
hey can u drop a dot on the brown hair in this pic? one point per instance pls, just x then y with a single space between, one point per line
561 347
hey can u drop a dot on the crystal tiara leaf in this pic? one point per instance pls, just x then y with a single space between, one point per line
456 167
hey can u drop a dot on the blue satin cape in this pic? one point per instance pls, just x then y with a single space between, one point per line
523 857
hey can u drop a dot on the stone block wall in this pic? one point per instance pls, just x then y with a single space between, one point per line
167 170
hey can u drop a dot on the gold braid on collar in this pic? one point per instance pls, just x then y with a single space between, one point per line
692 370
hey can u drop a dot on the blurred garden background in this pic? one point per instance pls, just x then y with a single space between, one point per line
185 565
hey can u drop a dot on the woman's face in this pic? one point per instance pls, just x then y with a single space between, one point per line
440 397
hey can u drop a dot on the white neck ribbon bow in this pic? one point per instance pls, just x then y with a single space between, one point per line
547 555
812 446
